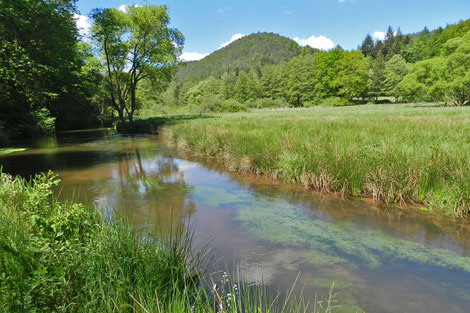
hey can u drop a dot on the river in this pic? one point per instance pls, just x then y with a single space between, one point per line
382 259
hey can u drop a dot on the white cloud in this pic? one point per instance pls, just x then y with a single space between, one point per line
320 42
193 56
83 24
287 12
379 35
234 37
123 7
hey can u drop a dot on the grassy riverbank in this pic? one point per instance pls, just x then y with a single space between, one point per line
63 257
393 153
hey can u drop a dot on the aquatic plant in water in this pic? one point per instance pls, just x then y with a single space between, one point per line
279 222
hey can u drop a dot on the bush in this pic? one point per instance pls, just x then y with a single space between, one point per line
215 104
140 126
45 124
334 101
232 105
267 103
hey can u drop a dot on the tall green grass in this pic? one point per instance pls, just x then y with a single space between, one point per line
64 257
393 153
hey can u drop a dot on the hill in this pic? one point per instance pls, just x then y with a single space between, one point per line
242 55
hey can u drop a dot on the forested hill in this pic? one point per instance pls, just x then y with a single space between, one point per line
242 55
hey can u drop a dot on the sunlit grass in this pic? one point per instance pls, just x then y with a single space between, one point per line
393 153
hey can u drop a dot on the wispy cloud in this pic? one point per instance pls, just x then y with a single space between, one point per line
83 24
223 10
234 37
321 42
123 7
193 56
287 12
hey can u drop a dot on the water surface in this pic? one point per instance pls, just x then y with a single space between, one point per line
384 259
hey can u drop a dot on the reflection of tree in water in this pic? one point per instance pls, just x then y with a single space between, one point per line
149 191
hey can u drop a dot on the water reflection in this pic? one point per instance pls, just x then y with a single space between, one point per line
150 191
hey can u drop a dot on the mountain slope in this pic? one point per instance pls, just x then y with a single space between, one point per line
243 54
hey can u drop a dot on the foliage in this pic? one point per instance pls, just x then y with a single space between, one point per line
395 70
442 78
352 80
135 45
377 76
40 67
62 257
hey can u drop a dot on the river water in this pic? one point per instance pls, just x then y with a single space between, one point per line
380 259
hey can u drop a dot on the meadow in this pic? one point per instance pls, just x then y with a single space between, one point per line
397 154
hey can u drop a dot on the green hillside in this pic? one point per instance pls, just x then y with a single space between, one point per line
242 55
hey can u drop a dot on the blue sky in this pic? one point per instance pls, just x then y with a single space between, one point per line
207 25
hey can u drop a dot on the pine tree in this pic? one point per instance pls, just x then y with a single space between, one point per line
367 46
377 76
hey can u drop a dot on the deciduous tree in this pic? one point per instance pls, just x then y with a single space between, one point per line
137 44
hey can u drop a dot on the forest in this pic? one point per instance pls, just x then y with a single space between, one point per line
56 79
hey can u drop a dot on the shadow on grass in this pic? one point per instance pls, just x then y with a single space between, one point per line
151 125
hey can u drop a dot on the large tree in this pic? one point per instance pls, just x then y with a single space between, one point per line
136 44
352 79
377 76
395 70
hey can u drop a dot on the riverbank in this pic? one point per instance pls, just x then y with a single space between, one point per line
64 257
396 154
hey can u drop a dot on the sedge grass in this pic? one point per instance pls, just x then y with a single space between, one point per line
396 154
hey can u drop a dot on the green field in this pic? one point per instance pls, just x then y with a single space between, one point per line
396 154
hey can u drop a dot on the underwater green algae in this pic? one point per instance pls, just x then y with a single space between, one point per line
279 222
286 224
6 151
215 196
319 258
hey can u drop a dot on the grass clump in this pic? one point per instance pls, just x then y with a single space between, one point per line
395 154
64 257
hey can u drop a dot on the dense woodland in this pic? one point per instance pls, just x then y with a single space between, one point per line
53 79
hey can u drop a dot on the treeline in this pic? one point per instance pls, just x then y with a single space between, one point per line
426 66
